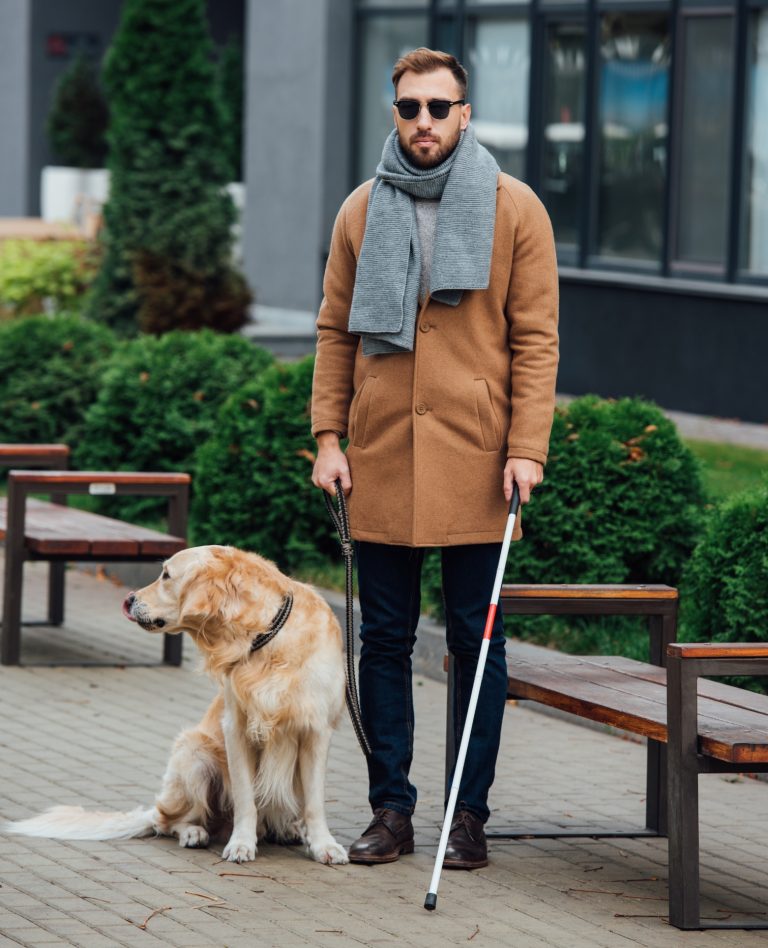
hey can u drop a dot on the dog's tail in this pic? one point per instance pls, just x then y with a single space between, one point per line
73 822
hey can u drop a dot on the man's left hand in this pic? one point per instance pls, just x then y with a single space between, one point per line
525 473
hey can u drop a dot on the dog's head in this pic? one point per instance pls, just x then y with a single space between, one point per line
198 589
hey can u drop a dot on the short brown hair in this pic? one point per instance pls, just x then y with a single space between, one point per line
423 60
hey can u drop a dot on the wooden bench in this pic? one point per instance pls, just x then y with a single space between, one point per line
657 603
51 531
693 726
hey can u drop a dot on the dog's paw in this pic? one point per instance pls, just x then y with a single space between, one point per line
237 850
329 853
193 837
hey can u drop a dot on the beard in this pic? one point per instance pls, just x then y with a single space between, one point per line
433 159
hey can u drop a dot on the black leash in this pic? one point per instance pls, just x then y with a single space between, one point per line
340 519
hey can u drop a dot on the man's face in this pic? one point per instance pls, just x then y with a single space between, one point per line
427 141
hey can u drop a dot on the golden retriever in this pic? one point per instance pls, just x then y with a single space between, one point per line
257 760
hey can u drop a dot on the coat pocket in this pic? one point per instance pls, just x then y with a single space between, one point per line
489 423
362 411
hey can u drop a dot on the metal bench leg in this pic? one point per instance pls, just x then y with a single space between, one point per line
56 572
656 788
172 648
11 635
683 783
10 647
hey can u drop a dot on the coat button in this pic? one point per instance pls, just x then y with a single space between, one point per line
421 409
424 327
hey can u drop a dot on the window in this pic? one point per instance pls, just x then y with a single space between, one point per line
384 40
632 134
499 64
623 190
562 170
755 207
703 175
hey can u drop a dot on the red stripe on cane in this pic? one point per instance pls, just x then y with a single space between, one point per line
489 621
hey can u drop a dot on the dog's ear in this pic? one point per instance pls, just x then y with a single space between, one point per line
211 597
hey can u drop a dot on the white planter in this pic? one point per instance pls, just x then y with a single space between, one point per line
72 194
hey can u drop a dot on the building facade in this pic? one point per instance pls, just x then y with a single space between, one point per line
641 124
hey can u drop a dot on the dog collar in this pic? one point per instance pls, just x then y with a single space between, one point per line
275 625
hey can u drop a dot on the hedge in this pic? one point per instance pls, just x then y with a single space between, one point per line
49 375
159 400
253 486
725 587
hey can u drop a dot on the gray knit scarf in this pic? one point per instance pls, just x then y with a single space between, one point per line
385 298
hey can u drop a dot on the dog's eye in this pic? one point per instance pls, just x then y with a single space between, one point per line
165 574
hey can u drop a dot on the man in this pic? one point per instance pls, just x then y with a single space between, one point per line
436 356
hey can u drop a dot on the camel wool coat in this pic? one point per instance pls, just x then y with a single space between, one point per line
430 430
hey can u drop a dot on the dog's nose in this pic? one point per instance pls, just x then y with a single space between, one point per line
128 602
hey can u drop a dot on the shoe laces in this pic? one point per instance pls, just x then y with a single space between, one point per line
464 818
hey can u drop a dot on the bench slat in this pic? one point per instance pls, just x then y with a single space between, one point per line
595 591
714 716
8 451
719 649
725 694
553 684
51 529
634 699
49 480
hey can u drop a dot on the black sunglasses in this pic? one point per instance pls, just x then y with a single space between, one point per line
438 108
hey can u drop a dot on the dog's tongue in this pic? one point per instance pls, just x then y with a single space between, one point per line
126 611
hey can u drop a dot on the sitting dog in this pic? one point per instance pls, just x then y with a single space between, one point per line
257 760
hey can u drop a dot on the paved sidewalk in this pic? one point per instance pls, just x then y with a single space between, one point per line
100 736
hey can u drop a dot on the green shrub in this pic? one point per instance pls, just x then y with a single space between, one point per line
169 169
253 486
160 399
77 122
36 276
620 503
725 588
49 375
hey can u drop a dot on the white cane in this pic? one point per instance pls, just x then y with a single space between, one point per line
430 902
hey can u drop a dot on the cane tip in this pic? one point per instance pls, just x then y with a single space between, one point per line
430 903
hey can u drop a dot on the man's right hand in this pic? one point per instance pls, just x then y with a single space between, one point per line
331 463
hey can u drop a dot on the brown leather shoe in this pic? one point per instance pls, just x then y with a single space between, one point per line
467 848
388 837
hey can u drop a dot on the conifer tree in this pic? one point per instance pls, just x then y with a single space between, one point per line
168 219
231 82
77 121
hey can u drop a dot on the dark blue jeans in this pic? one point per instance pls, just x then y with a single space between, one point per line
389 586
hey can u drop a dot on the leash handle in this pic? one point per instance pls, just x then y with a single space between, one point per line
340 520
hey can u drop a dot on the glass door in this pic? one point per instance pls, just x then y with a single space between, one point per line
562 166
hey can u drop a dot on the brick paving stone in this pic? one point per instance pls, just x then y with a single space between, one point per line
100 736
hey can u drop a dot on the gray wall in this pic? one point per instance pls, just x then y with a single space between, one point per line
15 20
298 107
699 350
